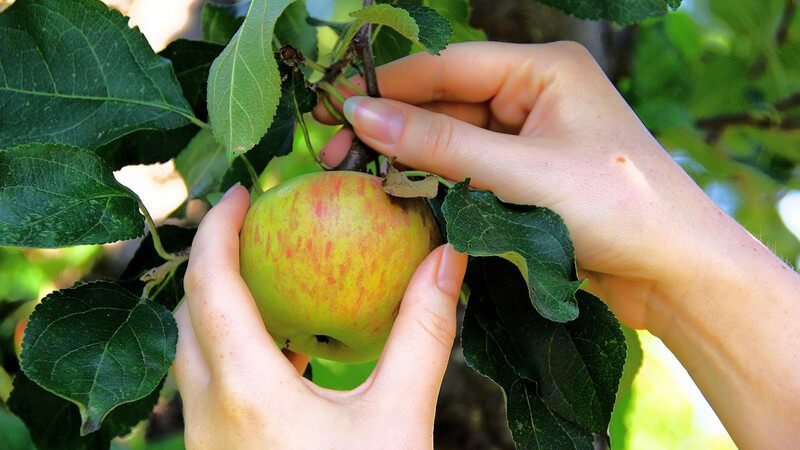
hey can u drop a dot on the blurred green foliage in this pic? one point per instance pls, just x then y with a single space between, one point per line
718 83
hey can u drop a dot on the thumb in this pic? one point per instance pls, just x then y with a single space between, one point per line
432 141
415 357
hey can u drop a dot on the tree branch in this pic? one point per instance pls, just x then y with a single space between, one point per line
716 124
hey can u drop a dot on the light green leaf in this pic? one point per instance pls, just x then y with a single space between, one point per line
418 23
73 72
98 346
244 85
55 195
202 164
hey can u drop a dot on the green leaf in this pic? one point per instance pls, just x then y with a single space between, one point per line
457 12
175 239
619 11
534 239
146 147
292 29
202 164
54 195
13 433
98 346
280 136
220 22
418 23
191 61
74 73
54 423
560 379
244 83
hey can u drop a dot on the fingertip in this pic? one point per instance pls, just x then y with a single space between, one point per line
336 148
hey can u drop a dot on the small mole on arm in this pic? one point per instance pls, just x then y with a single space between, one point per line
621 159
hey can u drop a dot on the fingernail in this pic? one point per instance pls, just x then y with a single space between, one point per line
375 119
230 191
451 271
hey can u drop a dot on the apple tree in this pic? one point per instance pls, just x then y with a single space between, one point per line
83 95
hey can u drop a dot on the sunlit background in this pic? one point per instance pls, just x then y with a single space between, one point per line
711 58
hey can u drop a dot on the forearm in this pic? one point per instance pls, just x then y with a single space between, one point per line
734 322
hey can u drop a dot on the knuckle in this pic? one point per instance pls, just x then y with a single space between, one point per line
438 137
574 49
438 325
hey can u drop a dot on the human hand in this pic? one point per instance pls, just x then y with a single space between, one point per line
240 391
542 125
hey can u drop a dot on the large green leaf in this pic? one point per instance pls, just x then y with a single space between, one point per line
244 85
98 346
191 61
54 195
534 239
280 136
74 73
560 380
54 423
620 11
418 23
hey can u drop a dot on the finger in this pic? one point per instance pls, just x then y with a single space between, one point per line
441 144
189 367
223 313
299 361
334 150
470 72
423 333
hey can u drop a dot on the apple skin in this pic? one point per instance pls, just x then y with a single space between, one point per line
327 257
19 333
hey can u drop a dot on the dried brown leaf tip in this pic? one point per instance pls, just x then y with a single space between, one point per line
397 184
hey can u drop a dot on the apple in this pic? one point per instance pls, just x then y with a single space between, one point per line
327 257
19 333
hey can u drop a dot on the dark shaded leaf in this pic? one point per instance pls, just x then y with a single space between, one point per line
54 195
457 12
202 164
98 346
75 73
54 423
560 380
220 22
534 239
174 239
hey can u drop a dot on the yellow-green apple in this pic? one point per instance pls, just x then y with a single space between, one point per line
327 257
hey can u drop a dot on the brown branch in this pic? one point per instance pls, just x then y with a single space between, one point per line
716 124
789 11
359 155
